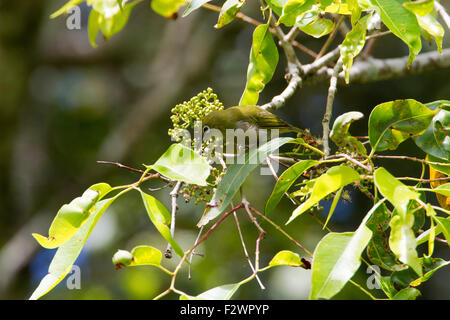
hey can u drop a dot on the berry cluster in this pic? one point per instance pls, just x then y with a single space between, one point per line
184 116
201 194
187 113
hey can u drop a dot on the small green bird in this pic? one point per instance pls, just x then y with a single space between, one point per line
245 117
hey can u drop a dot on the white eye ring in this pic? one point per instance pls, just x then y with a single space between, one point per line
206 129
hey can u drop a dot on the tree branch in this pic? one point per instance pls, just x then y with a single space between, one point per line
293 66
372 70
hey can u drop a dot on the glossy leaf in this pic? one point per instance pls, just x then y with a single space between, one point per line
224 292
393 122
262 65
443 168
337 257
402 23
443 189
436 139
319 28
109 17
235 177
93 27
430 268
286 258
167 8
353 43
277 5
444 224
228 12
331 181
403 242
160 217
420 7
67 254
183 164
395 191
407 294
285 181
294 10
340 135
71 216
432 27
194 5
65 8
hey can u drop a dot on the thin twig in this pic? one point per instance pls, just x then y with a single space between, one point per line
276 226
443 13
330 38
411 159
193 251
329 107
255 22
173 196
244 247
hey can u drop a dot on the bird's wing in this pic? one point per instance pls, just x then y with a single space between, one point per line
268 120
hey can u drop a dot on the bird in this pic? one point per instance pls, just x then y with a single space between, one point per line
245 118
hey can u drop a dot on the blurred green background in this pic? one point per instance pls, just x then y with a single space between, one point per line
64 105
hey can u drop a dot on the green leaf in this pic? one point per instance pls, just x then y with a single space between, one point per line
420 7
286 258
160 218
109 17
430 267
224 292
403 242
294 10
262 65
353 43
402 23
71 216
407 294
396 192
340 135
334 179
333 206
393 122
65 8
337 257
277 5
432 27
425 236
228 12
443 189
436 139
444 224
167 8
444 168
183 164
355 9
319 27
67 254
194 5
235 176
381 255
93 27
285 181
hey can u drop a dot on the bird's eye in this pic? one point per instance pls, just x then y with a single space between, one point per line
205 129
